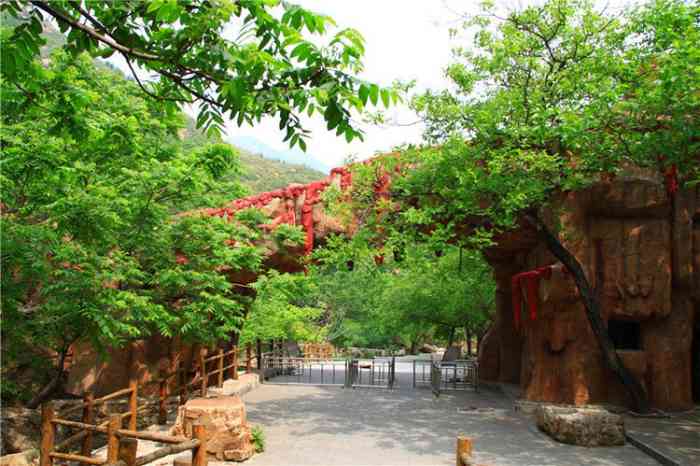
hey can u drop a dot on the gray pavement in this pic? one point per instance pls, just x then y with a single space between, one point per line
676 436
330 425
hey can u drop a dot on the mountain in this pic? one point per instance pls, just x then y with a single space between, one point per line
292 156
259 173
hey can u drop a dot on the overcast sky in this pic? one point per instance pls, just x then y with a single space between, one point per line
404 40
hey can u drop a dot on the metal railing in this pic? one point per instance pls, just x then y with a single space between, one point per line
461 374
307 371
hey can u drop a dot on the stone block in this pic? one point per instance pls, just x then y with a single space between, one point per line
224 418
588 427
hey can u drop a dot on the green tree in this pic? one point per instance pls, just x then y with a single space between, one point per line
91 175
282 310
549 98
236 59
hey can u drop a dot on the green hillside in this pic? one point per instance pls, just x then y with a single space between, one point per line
261 174
258 174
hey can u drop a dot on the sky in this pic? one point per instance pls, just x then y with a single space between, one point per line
405 39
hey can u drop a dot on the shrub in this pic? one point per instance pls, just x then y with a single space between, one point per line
258 439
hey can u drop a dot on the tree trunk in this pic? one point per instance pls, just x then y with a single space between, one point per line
468 335
53 385
451 338
593 312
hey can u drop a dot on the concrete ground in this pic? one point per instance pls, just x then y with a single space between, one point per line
331 425
676 436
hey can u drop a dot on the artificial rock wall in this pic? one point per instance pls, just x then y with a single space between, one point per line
640 248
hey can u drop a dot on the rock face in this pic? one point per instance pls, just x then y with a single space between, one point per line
228 433
588 427
639 247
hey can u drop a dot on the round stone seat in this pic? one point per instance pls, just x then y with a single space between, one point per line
589 426
224 419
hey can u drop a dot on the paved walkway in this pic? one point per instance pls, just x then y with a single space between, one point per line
677 436
322 425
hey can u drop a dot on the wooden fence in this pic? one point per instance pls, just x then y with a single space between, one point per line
120 442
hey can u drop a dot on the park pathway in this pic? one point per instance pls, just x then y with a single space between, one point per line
332 426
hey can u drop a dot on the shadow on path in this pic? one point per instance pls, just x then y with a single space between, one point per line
335 426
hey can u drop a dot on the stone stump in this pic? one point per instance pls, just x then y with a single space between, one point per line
588 427
224 418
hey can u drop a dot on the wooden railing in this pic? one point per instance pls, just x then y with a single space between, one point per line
122 444
119 441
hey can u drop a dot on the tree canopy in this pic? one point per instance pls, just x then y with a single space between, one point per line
548 99
236 59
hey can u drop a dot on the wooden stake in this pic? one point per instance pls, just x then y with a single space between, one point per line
182 461
220 368
127 451
182 376
115 423
199 453
48 434
133 402
162 398
88 418
234 363
464 450
203 372
258 353
249 358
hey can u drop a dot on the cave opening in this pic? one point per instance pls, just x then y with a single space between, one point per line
625 334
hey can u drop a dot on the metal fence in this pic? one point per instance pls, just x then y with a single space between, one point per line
306 371
372 373
462 374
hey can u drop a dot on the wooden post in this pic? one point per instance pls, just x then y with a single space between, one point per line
127 451
199 453
464 450
162 398
48 434
115 423
182 377
258 353
203 371
249 358
234 363
220 368
133 403
88 418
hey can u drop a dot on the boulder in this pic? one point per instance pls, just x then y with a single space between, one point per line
21 429
453 353
588 427
427 348
25 458
292 349
228 434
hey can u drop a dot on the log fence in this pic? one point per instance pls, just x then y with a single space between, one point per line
122 443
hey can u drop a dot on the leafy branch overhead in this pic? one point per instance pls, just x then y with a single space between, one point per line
236 59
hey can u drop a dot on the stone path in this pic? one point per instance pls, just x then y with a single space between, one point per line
677 437
322 425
